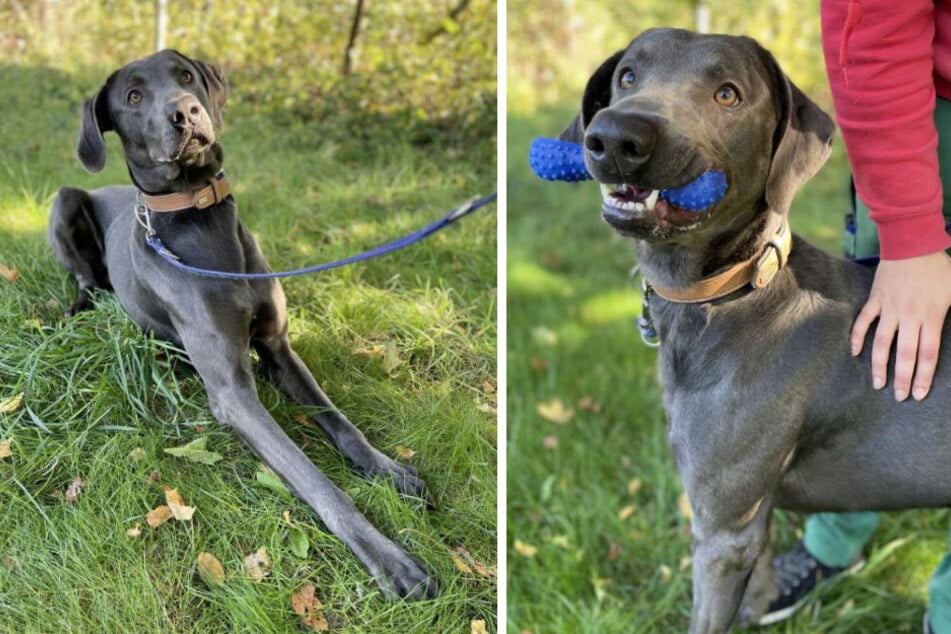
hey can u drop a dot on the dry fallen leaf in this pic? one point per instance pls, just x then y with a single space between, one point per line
555 411
258 564
614 551
626 512
404 453
12 404
210 570
179 510
477 627
74 489
633 486
525 550
489 386
550 442
5 451
466 563
9 274
158 516
683 505
588 404
134 532
665 573
308 607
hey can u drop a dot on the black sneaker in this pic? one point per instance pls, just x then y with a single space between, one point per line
797 573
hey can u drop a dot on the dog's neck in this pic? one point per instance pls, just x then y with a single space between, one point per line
684 266
173 178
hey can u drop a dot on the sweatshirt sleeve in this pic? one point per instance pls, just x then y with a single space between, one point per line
879 57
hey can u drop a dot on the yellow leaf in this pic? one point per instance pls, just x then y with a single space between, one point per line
12 404
477 627
461 566
373 351
633 486
561 541
258 564
179 510
134 532
683 505
308 607
158 516
404 453
525 550
5 451
626 512
665 573
555 411
391 358
210 570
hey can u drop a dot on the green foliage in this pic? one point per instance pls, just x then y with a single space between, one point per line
416 70
554 47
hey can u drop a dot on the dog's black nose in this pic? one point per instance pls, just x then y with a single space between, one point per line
185 110
623 142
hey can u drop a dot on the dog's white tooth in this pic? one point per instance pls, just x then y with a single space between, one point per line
638 207
651 200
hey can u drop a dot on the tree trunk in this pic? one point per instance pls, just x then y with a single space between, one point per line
351 43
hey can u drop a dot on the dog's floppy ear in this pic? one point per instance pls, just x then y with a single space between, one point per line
96 121
801 143
217 86
597 94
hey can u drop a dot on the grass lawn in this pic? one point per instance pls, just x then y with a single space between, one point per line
596 539
405 345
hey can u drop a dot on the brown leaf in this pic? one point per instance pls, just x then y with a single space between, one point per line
555 411
470 563
158 516
309 608
461 565
404 453
74 489
179 510
9 274
539 364
477 627
614 551
588 404
210 570
258 564
489 386
5 451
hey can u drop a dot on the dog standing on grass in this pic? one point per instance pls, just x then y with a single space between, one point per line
766 406
165 109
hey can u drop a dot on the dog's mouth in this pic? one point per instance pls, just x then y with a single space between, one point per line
192 148
634 211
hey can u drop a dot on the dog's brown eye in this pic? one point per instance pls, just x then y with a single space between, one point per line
135 97
727 96
627 79
187 77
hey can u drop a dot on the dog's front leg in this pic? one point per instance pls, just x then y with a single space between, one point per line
289 372
223 362
723 558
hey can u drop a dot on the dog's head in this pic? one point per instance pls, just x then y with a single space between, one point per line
165 109
674 105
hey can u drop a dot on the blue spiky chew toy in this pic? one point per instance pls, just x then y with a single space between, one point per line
557 160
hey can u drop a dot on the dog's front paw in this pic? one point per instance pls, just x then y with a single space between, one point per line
82 303
404 476
402 577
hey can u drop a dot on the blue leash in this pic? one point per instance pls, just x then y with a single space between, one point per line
155 242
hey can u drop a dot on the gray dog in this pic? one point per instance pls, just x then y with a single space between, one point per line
766 407
165 109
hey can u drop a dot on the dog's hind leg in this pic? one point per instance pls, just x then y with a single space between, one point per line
76 239
289 372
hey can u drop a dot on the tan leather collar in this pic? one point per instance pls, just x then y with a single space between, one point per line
758 271
217 190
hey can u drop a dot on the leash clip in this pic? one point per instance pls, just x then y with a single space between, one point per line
645 322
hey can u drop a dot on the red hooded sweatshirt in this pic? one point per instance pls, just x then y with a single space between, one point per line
887 59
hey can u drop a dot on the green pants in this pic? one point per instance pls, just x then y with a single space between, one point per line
836 539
